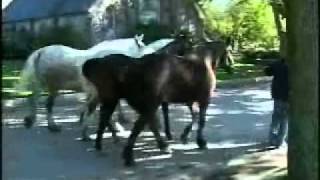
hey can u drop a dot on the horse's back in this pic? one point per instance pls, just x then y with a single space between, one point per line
170 78
128 47
108 64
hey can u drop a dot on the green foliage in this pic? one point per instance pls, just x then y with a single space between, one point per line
251 56
241 71
249 22
66 35
16 45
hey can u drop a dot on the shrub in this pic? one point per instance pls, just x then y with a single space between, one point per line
250 56
17 45
260 54
66 35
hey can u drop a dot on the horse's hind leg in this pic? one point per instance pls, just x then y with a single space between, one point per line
87 116
33 102
202 119
165 112
106 110
153 124
186 132
52 126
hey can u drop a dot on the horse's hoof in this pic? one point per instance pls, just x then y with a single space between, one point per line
184 139
202 144
127 155
28 122
86 139
166 150
129 162
169 137
98 147
54 128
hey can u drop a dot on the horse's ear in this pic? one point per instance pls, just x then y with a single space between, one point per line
141 37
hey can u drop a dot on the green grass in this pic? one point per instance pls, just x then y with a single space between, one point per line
11 71
10 75
241 71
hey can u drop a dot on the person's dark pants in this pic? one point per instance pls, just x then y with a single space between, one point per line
279 125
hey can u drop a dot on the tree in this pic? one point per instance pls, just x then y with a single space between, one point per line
279 13
252 23
249 22
303 46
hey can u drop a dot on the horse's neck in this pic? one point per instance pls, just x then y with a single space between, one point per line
156 46
211 70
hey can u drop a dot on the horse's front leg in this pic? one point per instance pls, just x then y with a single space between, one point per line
88 116
106 110
52 126
202 143
165 112
127 153
186 132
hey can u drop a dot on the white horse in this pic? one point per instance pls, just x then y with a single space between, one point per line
58 67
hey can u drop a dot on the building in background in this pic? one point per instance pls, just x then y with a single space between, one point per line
97 19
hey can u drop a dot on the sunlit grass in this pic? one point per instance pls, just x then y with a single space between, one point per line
241 71
10 75
10 78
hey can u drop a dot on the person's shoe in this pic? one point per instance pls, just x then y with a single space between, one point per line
283 146
273 142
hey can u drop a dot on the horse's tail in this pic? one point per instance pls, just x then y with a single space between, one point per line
28 75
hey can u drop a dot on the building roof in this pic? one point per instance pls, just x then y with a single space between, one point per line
20 10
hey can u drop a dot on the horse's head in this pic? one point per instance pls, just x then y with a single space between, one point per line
179 46
222 56
139 40
216 52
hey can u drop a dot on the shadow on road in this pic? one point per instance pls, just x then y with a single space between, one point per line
236 130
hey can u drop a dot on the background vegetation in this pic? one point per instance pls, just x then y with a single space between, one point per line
23 43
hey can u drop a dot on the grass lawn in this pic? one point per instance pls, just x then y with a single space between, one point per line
241 71
10 75
11 70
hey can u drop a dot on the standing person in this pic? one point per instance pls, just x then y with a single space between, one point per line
279 92
229 43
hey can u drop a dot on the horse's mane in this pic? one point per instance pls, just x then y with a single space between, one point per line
157 46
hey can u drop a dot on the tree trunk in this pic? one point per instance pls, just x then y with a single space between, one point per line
303 44
200 16
278 14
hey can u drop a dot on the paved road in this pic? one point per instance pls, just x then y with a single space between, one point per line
237 124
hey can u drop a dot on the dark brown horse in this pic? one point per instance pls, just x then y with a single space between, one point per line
151 80
217 52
